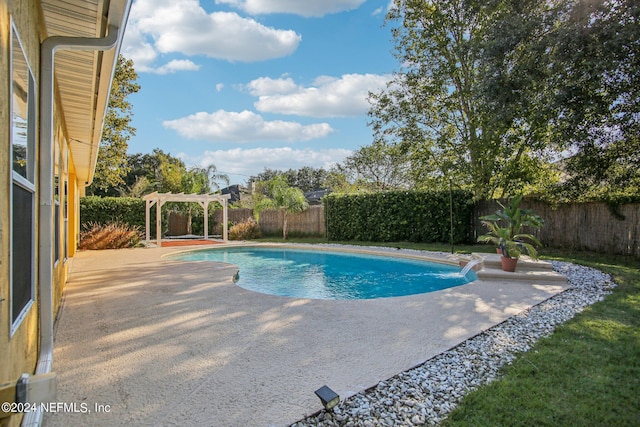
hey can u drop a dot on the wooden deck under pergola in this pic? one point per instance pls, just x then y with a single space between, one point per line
159 199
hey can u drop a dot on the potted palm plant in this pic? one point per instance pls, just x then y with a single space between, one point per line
505 231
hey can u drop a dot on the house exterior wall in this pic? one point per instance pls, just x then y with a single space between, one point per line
19 350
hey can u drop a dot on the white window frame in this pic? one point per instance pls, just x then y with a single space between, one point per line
26 183
65 195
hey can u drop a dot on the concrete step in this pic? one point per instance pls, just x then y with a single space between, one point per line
534 276
524 263
527 269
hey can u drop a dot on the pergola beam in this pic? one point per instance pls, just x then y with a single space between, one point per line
159 199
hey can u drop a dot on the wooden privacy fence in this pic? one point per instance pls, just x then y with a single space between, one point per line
177 223
583 226
307 223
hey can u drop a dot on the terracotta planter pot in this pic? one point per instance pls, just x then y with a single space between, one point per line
509 264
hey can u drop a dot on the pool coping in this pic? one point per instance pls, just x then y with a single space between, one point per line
167 342
429 257
369 250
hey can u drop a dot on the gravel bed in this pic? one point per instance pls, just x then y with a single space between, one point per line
428 392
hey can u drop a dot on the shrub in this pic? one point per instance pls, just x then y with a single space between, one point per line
107 210
109 236
245 230
414 216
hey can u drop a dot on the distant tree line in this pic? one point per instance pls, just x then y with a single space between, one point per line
160 171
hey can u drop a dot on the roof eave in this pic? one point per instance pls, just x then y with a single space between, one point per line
83 79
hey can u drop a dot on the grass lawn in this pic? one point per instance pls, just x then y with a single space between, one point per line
586 374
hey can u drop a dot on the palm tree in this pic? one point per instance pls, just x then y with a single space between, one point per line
201 181
281 196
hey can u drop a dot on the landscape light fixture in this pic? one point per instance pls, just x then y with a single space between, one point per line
328 397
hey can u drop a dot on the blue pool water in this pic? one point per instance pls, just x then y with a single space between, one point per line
319 274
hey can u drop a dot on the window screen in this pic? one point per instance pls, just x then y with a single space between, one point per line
21 250
22 256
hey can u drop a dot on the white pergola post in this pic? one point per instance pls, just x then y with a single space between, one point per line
205 207
225 221
158 223
147 223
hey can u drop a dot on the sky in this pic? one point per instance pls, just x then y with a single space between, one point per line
253 84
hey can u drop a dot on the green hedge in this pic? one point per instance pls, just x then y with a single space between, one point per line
414 216
131 210
105 210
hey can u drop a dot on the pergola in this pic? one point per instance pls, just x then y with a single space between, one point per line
160 199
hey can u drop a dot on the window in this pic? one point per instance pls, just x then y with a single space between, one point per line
65 200
56 201
60 198
22 235
56 219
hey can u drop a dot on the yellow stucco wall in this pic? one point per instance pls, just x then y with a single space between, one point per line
18 353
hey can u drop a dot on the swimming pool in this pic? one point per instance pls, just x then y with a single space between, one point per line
331 274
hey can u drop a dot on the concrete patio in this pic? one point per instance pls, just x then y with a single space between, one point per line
142 340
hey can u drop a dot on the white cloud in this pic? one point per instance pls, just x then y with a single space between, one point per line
136 47
265 86
177 65
297 7
326 97
244 126
252 161
219 87
183 26
382 9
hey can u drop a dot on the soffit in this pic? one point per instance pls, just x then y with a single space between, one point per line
83 78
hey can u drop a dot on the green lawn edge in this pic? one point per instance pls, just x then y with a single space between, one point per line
587 373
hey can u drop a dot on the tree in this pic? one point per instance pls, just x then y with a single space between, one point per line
429 108
166 173
378 167
306 178
338 182
563 76
266 175
309 179
596 64
465 105
199 181
162 170
112 164
493 93
139 188
203 180
514 94
279 195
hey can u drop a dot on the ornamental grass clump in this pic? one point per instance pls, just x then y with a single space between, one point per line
245 230
115 235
